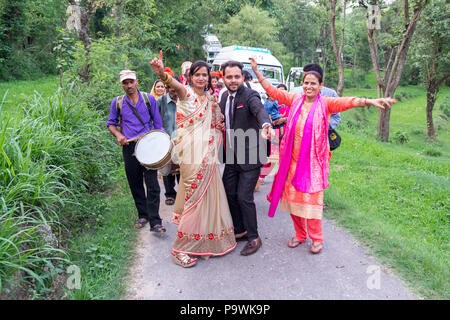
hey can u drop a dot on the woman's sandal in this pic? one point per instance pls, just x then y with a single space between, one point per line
140 223
294 242
316 247
158 228
183 260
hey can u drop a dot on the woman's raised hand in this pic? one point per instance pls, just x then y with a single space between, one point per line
158 65
254 65
381 103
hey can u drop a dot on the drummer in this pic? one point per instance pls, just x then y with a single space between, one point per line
167 105
136 117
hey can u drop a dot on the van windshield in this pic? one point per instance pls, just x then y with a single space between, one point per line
272 73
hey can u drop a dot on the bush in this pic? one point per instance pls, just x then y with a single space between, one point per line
59 151
401 137
444 105
432 152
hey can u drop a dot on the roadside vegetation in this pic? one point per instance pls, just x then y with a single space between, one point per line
393 197
64 201
57 166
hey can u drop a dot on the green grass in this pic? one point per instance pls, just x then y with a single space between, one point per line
393 197
104 249
18 92
57 163
407 116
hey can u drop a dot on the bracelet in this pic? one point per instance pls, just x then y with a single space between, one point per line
168 79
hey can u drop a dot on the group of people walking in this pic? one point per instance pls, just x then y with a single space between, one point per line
214 212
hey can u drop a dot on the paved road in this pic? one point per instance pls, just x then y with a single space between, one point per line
342 271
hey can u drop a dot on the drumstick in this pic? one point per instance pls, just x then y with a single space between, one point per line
134 139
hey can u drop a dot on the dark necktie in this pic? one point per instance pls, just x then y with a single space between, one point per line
230 113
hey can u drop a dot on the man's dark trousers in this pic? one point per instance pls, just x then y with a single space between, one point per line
240 186
147 206
169 185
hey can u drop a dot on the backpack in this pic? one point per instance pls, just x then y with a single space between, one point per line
119 103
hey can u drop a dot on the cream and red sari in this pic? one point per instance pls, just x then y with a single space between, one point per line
205 226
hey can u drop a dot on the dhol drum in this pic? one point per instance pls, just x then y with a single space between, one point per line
153 150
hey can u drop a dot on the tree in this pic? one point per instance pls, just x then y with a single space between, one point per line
64 48
250 27
431 54
338 51
293 18
255 28
79 18
396 50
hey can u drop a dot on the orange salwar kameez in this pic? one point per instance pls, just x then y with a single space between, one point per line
305 208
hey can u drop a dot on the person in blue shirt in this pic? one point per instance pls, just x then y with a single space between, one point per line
167 105
327 92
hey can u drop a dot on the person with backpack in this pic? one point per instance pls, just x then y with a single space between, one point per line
167 105
136 113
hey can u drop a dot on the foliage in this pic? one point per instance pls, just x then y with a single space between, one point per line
431 49
27 30
49 158
293 18
64 49
107 58
444 105
255 28
401 137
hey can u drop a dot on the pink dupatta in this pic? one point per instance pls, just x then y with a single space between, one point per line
302 179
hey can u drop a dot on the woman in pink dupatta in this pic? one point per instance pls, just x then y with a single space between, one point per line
302 176
205 226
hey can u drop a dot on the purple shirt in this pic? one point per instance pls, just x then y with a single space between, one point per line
132 127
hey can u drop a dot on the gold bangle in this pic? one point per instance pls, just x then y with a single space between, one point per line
168 79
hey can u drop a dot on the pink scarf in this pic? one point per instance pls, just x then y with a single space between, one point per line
308 161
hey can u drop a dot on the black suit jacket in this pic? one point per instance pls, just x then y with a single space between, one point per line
249 148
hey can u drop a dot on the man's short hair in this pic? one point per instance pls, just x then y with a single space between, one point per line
313 67
231 64
247 75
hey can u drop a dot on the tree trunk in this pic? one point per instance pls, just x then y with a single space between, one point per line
60 77
338 51
117 15
83 35
389 83
432 92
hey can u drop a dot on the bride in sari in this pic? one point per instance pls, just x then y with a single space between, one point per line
205 226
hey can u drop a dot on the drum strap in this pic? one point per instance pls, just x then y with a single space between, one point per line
119 103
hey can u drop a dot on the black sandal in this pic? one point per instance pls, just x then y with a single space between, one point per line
158 228
140 223
170 201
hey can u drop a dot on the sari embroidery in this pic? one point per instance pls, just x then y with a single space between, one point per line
201 209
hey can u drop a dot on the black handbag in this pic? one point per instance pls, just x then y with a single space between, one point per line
334 138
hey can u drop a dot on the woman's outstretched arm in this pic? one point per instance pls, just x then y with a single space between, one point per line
335 105
281 96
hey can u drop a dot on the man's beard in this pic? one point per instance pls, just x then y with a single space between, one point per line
233 91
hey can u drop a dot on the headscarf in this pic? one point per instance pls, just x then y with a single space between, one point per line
153 93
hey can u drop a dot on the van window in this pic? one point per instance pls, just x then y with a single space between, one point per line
272 73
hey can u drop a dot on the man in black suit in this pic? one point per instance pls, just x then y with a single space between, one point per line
245 153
